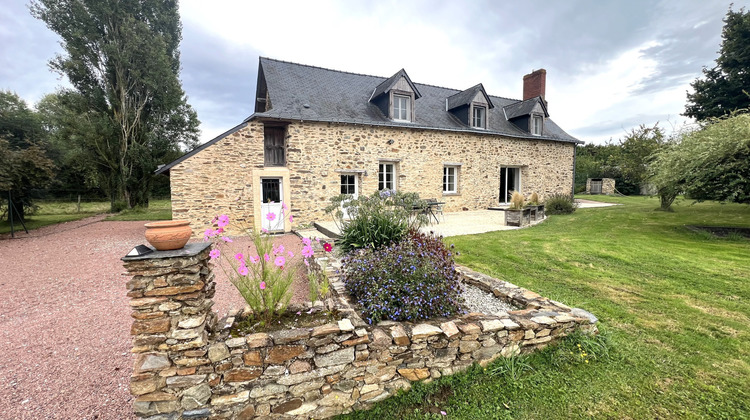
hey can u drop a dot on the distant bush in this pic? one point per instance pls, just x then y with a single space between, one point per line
559 204
410 280
376 220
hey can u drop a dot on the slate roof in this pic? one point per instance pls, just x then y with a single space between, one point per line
307 93
465 97
524 107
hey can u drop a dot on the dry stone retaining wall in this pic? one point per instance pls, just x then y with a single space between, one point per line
188 366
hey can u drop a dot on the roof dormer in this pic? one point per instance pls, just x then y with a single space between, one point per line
528 115
471 106
395 97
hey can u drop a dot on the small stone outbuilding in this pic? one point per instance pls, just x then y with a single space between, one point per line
604 186
317 133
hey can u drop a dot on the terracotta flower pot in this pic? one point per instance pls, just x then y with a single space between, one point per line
168 234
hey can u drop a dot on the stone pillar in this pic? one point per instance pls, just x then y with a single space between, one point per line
171 295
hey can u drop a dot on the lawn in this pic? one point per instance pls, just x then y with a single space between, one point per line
53 212
674 309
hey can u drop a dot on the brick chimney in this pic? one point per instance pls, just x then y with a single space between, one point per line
534 84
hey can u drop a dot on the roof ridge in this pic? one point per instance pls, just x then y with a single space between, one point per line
324 68
379 77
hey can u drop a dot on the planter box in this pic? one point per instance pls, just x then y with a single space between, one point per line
537 212
517 217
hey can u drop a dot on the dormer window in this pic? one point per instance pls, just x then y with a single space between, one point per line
479 117
401 107
537 121
395 97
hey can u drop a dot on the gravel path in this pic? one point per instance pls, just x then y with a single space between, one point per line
65 320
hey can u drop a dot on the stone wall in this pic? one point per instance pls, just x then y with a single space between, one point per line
183 372
608 185
219 178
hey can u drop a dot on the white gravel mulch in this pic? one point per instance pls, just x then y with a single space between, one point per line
65 320
477 300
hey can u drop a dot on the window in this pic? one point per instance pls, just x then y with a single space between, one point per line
479 117
273 146
450 180
348 184
401 108
386 176
536 125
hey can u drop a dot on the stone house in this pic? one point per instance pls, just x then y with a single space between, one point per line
317 133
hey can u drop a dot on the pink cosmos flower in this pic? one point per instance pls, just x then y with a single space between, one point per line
243 270
328 247
271 216
226 239
255 259
266 257
278 250
223 220
238 256
279 261
291 254
214 254
307 251
306 262
307 241
207 234
264 230
443 413
262 285
219 230
291 219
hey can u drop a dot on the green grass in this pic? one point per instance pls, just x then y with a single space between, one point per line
674 310
53 212
157 210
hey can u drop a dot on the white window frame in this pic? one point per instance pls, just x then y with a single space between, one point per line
483 122
534 127
356 182
397 98
382 171
446 184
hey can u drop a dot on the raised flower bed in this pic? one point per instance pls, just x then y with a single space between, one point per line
188 364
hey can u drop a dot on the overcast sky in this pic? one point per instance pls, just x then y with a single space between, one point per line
611 66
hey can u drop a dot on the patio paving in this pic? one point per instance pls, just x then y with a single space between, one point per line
454 224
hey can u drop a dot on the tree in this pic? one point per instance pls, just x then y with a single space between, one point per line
724 88
711 163
123 60
625 161
24 164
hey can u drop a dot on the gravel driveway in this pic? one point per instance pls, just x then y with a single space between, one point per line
65 320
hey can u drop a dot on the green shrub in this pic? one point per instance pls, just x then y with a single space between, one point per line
406 281
376 220
559 204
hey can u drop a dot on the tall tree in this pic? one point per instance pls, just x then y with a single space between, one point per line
711 163
24 164
725 87
122 57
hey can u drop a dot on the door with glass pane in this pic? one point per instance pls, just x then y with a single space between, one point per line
510 180
271 215
349 185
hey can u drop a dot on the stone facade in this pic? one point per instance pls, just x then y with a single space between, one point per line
224 177
188 368
606 186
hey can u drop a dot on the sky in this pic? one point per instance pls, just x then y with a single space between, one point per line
611 65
